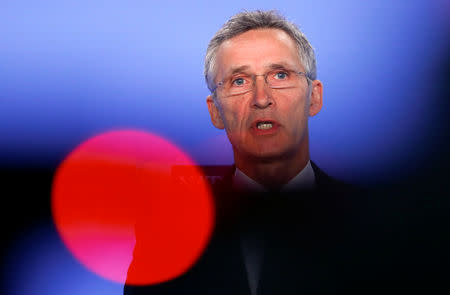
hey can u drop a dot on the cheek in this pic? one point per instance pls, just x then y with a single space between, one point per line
234 117
296 115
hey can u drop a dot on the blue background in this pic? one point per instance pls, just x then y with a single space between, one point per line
72 69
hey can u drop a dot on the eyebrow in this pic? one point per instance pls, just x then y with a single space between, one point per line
239 69
273 66
281 65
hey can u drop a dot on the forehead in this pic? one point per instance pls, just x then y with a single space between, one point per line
258 50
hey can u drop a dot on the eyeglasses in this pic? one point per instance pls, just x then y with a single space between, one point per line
241 83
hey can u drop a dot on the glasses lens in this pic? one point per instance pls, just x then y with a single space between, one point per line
237 84
242 83
282 79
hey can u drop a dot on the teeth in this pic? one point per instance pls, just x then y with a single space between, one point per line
264 125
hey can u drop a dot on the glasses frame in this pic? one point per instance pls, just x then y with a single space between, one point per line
265 75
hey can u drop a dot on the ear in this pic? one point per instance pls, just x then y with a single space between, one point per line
216 119
316 102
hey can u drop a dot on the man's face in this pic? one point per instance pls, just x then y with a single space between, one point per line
287 110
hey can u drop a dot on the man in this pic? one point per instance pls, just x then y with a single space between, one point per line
273 229
261 71
283 226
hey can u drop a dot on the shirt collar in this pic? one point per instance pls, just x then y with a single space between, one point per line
304 180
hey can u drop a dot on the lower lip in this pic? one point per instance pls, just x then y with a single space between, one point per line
270 131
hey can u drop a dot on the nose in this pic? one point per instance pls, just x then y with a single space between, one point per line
261 95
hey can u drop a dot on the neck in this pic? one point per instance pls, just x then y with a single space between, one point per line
273 173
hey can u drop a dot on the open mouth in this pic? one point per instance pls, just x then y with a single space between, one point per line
264 125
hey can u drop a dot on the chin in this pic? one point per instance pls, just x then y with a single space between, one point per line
267 153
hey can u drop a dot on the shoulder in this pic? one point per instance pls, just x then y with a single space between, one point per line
326 183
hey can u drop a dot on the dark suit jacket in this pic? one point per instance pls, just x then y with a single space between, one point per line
324 241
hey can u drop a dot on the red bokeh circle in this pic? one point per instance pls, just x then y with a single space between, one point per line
115 199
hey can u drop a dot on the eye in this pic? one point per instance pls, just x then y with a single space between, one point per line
281 75
238 82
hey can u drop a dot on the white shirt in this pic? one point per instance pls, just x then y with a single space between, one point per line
252 246
304 180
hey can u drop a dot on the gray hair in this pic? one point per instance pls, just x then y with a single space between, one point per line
251 20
